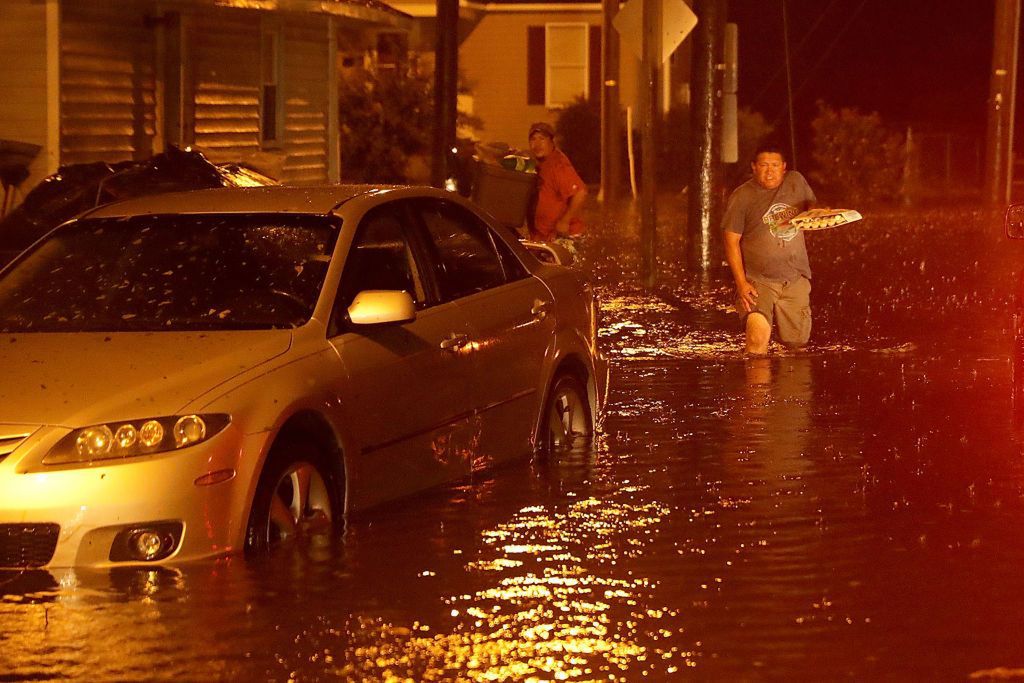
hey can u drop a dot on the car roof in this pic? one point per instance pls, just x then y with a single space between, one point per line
317 200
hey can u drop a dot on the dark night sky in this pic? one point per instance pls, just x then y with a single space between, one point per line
912 61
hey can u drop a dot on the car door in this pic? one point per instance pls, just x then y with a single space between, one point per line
509 311
405 401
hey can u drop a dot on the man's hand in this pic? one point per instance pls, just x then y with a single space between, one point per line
746 295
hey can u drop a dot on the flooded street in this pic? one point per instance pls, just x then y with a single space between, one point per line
852 511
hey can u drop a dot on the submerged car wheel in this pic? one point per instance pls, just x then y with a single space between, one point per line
295 499
566 420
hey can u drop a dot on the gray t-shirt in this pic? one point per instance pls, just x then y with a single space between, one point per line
770 255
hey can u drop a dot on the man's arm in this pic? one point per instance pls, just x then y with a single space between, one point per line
573 210
734 257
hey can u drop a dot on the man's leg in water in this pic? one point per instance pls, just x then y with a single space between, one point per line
759 332
793 314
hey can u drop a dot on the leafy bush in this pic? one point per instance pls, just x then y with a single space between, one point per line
675 153
752 130
387 118
579 132
856 157
384 117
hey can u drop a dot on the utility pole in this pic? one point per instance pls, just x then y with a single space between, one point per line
705 133
789 87
446 78
611 128
651 50
1002 97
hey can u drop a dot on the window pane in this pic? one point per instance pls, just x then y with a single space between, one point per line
269 58
467 261
380 258
567 44
567 83
170 272
269 114
567 54
514 269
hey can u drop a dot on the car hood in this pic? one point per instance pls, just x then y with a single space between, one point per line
73 380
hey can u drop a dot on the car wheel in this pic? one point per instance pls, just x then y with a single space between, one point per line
566 419
295 499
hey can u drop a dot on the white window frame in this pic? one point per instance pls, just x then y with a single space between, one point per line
271 32
548 63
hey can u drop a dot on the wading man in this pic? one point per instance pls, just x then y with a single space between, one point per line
560 192
767 257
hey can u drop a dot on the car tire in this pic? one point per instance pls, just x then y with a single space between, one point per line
296 499
567 418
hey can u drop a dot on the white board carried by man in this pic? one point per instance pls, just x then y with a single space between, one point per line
822 218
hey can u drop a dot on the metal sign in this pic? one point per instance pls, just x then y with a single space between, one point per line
677 20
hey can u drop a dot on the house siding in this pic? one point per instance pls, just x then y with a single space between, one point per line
224 53
23 107
113 80
108 83
306 61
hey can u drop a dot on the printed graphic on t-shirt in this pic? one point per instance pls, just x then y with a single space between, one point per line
776 215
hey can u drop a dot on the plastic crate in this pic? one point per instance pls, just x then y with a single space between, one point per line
506 195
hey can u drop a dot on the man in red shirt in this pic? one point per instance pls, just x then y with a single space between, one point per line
560 192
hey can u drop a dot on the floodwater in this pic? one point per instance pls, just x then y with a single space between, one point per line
853 511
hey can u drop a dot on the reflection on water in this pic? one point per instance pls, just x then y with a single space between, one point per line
855 511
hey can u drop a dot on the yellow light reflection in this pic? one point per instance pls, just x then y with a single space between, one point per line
558 604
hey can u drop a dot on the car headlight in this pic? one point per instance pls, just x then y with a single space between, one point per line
136 437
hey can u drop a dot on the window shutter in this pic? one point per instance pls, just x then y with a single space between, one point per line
595 63
535 65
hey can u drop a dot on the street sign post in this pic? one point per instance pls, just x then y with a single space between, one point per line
677 20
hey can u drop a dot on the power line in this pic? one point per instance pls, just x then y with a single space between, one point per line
789 84
807 36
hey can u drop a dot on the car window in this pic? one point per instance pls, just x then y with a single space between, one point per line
466 258
381 257
170 272
514 268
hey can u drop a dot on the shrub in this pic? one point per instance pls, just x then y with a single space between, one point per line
675 153
579 131
386 118
856 157
752 130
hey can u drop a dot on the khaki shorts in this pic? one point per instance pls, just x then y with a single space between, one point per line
787 305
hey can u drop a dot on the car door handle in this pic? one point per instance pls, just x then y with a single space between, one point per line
454 342
540 309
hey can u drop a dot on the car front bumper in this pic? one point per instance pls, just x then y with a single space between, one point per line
204 490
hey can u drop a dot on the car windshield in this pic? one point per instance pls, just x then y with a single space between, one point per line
170 272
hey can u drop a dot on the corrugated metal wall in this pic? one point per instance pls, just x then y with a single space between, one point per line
225 58
305 134
108 83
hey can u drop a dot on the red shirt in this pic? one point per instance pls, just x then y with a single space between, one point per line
557 182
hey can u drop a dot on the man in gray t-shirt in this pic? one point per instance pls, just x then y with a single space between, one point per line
767 257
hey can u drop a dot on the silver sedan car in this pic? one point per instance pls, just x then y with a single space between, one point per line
195 374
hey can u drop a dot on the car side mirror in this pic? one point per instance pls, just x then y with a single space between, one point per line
381 307
1013 223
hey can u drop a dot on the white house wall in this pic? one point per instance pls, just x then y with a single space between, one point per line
108 83
23 107
493 58
224 55
306 64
